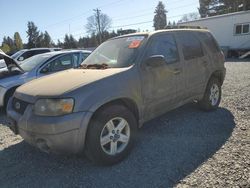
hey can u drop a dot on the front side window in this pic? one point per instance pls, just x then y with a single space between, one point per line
59 64
191 46
164 45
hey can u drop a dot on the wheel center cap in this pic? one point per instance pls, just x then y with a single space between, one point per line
116 137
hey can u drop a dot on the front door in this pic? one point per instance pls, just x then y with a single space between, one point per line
162 85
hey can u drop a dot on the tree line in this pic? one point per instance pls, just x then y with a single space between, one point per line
217 7
99 24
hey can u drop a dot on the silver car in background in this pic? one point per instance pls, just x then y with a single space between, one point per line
15 75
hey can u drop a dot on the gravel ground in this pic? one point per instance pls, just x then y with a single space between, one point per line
183 148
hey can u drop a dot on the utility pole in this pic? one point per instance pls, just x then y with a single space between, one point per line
98 23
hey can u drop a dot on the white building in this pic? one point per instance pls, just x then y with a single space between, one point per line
232 31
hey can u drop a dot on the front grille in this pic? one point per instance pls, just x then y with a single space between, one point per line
19 106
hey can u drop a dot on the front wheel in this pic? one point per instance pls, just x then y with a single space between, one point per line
110 135
212 96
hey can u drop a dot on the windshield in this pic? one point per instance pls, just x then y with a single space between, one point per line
116 53
32 62
15 55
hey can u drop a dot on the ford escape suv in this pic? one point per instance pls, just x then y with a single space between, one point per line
126 81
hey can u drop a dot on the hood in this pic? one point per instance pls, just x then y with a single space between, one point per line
65 81
14 80
9 61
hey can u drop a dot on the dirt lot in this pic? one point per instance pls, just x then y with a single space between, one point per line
183 148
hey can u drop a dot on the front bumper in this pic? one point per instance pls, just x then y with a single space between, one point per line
61 134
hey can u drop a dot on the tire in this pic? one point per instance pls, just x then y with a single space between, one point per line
212 96
104 145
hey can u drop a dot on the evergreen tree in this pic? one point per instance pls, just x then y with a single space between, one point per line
18 41
47 40
160 18
70 42
204 7
217 7
32 34
73 42
40 40
10 43
5 48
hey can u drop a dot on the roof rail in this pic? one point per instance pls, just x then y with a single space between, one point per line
184 27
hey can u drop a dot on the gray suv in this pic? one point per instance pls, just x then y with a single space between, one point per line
125 82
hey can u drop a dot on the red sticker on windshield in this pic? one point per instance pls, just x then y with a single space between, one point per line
135 44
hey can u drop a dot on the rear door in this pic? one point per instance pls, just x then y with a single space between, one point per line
195 63
162 86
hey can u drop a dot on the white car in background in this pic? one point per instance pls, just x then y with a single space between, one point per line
21 55
37 66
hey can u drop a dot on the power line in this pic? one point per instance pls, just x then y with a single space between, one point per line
133 24
141 15
80 15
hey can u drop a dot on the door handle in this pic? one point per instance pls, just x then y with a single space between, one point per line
177 71
205 63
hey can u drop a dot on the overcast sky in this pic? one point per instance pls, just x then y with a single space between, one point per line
59 17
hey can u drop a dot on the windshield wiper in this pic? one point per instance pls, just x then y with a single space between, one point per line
94 66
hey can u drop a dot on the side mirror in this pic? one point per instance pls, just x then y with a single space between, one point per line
21 58
155 61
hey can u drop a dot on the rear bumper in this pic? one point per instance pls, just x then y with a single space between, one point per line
61 134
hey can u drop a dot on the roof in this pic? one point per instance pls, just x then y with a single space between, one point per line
44 49
161 31
219 16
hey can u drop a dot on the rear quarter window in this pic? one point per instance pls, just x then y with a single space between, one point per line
191 46
209 41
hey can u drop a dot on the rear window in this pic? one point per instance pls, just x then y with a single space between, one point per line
209 41
191 46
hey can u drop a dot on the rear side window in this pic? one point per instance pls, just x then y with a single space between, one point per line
209 41
35 52
26 55
164 45
191 46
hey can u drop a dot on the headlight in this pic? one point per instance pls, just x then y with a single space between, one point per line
54 107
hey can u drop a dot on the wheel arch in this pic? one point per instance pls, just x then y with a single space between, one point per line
217 74
126 102
9 93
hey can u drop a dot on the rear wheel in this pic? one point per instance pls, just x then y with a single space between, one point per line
110 135
212 96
